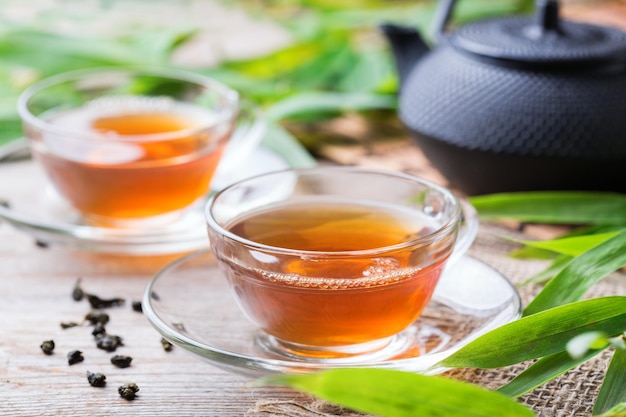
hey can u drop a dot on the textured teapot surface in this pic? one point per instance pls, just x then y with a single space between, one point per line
508 105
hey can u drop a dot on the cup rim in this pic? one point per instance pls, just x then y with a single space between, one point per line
27 116
422 240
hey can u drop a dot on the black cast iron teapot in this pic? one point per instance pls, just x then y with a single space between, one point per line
518 103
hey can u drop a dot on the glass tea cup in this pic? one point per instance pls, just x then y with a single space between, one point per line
132 148
335 263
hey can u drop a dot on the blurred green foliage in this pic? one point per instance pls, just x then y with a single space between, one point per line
336 63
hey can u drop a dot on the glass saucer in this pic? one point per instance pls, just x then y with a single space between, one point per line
32 205
189 303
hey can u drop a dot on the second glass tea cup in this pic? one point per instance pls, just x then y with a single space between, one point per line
335 262
132 147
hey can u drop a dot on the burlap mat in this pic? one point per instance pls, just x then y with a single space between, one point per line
572 394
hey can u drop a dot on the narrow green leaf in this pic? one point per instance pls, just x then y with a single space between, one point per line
328 103
543 371
550 272
370 73
617 411
613 390
572 246
541 334
280 141
581 274
565 207
528 252
325 70
391 393
52 53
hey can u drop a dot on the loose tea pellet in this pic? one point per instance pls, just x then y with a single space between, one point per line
96 379
97 302
97 317
75 356
121 361
77 292
41 244
137 306
167 346
47 347
108 342
128 391
98 330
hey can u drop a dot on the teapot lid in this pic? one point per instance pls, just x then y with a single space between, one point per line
545 41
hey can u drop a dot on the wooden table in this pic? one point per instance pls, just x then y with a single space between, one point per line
36 286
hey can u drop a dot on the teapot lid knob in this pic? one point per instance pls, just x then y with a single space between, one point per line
548 15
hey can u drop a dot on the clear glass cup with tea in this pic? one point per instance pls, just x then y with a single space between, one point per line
335 262
129 148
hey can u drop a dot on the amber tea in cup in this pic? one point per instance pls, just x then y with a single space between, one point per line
333 262
128 148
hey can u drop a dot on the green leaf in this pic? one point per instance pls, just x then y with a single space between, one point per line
369 73
391 393
550 272
51 53
543 371
528 252
280 141
617 411
328 103
541 334
613 390
580 274
572 246
565 207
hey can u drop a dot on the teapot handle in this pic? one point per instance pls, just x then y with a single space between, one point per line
443 14
547 16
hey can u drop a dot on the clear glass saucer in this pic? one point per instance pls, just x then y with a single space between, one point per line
189 303
32 205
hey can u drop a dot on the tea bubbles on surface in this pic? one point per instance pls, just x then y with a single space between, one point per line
339 300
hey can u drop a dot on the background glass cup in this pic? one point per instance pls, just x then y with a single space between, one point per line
335 262
129 147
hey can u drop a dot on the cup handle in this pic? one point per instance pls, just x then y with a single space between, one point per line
249 131
467 231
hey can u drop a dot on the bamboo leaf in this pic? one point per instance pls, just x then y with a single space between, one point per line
572 246
580 274
280 141
543 371
617 411
328 103
613 390
391 393
565 207
52 53
541 334
529 252
550 272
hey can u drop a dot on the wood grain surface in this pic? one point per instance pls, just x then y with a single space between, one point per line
35 297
